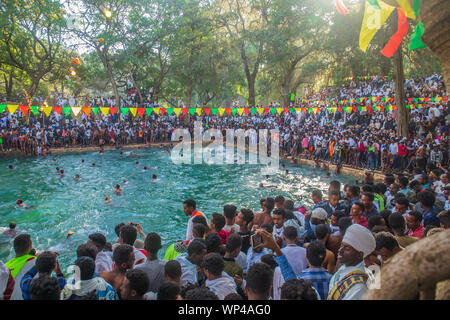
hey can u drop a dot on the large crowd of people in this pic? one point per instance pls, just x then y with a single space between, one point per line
361 139
282 252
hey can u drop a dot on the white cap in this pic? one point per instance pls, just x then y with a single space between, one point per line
320 214
360 238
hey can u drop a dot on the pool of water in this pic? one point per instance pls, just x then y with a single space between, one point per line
61 204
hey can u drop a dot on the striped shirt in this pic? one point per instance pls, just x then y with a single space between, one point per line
320 279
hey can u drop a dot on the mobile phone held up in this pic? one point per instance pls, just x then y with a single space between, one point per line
256 240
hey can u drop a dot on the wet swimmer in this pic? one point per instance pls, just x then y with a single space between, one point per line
262 185
124 181
77 177
145 169
82 160
58 170
61 173
154 178
137 164
54 159
117 189
11 167
21 204
102 152
93 164
108 200
12 231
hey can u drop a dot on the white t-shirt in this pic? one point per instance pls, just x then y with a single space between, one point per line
234 226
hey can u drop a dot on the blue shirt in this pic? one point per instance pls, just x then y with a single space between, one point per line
27 280
320 279
430 217
254 257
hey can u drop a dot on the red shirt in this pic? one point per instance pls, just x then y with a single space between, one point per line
418 233
362 221
224 236
402 150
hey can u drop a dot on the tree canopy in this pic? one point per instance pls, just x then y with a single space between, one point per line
200 51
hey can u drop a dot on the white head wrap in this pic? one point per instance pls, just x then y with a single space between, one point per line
360 238
319 213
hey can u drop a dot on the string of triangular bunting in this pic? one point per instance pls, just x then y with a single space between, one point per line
333 107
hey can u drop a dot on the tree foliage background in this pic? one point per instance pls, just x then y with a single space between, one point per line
199 51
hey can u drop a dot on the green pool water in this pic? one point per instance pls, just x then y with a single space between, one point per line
61 204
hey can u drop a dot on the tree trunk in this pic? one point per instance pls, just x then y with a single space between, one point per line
251 92
435 16
9 86
189 82
188 93
34 85
138 90
286 95
107 67
249 76
402 114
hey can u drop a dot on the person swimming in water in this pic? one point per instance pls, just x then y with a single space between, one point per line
54 159
58 171
107 200
11 167
118 190
77 177
61 173
154 178
137 164
145 169
101 152
82 160
261 185
12 231
125 181
93 164
21 204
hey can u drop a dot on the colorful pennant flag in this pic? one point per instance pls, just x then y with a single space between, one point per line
397 38
86 110
58 110
12 108
105 111
416 38
47 110
372 22
406 7
341 7
24 109
76 110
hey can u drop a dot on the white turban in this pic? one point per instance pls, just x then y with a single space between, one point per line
320 214
360 238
